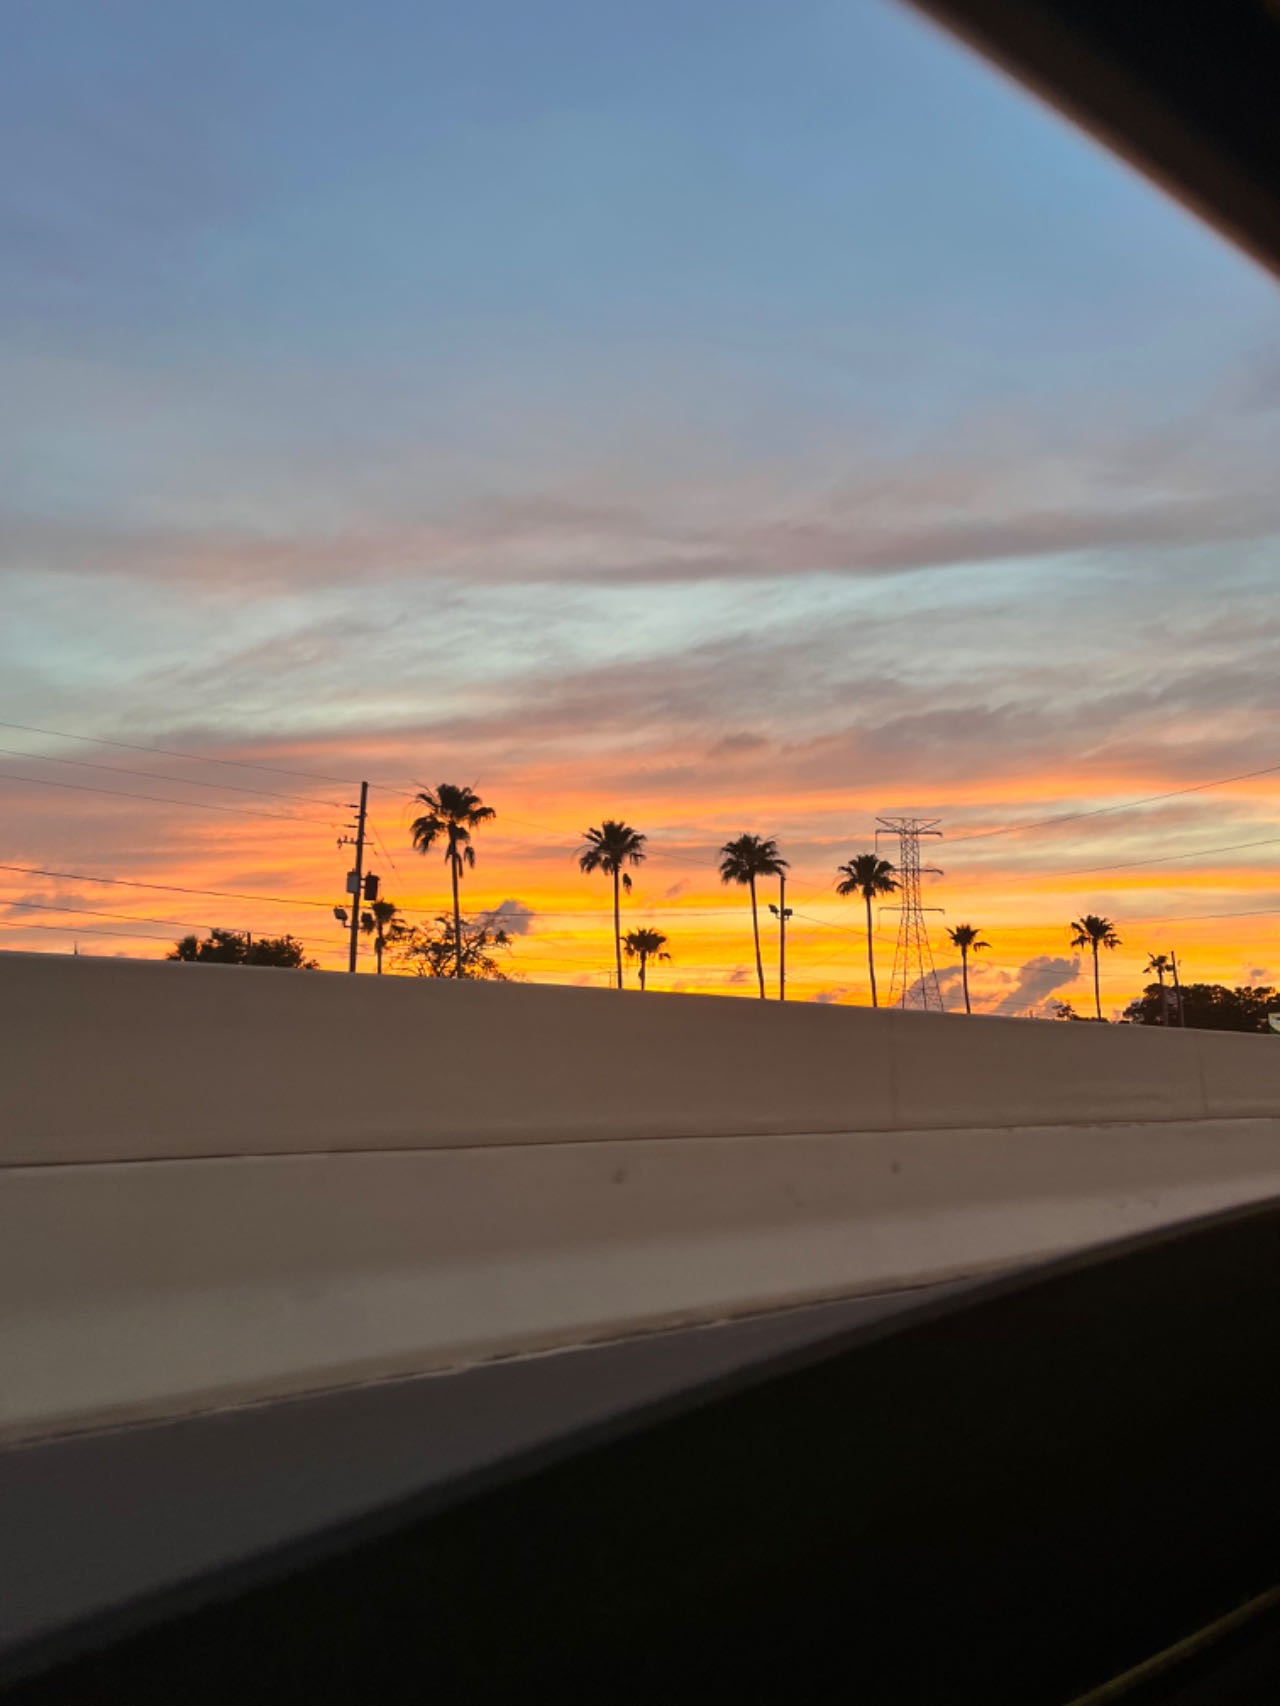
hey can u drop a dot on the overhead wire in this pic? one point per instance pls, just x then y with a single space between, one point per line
124 935
82 930
158 776
77 930
132 918
161 799
174 752
1163 859
163 888
1122 806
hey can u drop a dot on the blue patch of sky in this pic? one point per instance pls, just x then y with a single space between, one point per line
284 266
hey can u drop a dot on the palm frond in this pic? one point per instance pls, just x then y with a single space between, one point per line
749 857
1094 932
451 811
610 847
868 875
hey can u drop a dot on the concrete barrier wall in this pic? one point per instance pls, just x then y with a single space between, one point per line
130 1060
220 1184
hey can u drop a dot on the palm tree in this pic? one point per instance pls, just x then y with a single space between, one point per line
645 945
742 861
870 876
965 937
608 849
451 813
1159 964
381 920
1094 932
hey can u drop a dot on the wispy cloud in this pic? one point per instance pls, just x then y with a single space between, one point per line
937 508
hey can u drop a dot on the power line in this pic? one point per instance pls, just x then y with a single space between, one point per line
94 930
173 752
81 930
163 888
400 787
1124 806
1164 859
156 776
1191 917
159 799
383 848
131 918
283 900
91 912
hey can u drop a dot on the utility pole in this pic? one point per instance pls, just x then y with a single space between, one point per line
1177 987
355 877
782 912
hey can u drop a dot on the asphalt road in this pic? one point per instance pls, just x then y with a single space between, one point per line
94 1520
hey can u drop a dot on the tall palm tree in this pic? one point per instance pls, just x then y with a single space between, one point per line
742 861
608 849
1093 932
381 921
966 938
645 945
870 876
450 814
1160 964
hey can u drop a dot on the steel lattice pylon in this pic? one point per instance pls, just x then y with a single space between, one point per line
915 982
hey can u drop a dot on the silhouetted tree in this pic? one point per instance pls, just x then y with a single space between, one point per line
743 860
645 945
965 937
237 948
870 876
431 950
609 849
451 814
381 920
1094 933
1209 1007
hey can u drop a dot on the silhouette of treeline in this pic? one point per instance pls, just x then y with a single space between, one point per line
239 948
459 947
1205 1006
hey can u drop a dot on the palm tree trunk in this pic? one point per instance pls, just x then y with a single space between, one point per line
1097 988
1164 1005
377 951
457 916
964 971
871 955
755 930
617 928
642 960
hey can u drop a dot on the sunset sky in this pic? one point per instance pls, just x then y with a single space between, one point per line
728 417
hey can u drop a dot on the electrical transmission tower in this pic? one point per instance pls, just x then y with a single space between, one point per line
915 983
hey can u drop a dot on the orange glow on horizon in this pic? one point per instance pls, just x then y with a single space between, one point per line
529 855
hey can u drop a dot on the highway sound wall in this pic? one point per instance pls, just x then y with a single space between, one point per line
221 1184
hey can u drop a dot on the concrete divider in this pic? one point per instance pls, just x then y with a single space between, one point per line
128 1060
221 1184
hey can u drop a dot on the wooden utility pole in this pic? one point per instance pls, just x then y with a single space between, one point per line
781 912
355 878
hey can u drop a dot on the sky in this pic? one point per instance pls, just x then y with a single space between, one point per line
728 417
